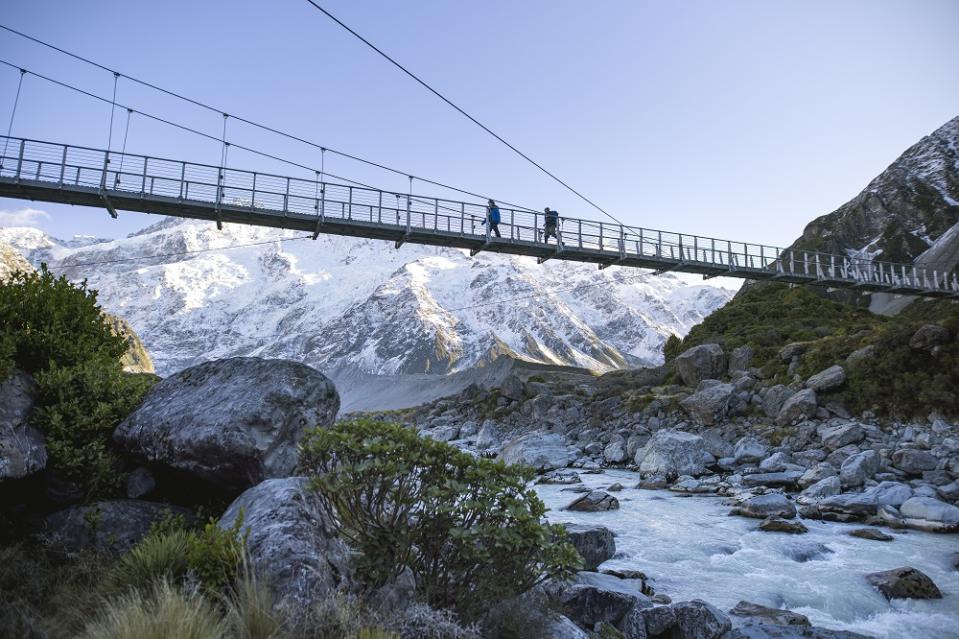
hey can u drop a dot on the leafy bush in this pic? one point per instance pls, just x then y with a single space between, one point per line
54 330
469 529
161 612
54 322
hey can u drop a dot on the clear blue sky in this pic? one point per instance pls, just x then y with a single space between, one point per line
739 120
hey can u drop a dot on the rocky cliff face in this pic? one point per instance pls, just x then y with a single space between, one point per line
903 211
352 304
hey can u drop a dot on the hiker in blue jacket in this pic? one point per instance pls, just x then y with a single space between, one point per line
492 217
552 221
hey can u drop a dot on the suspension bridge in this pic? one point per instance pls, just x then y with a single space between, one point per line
54 172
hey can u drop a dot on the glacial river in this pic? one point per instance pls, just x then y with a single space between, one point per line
691 549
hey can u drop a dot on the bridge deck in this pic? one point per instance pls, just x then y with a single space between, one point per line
52 172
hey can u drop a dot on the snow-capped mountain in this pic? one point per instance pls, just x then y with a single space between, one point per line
344 303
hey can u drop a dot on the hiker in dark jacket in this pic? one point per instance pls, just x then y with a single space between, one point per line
552 221
492 217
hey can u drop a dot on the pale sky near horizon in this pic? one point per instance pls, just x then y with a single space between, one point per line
739 120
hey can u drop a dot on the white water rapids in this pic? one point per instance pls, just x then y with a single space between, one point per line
691 549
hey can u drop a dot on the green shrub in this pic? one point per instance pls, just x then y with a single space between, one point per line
160 612
469 529
54 322
215 554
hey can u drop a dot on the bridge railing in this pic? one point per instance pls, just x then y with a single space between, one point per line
145 176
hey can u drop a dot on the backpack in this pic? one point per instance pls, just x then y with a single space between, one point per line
494 215
552 218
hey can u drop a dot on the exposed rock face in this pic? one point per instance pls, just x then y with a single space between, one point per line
22 448
763 506
829 379
136 359
710 403
231 422
594 501
106 526
542 451
706 361
291 544
672 452
904 583
595 544
800 406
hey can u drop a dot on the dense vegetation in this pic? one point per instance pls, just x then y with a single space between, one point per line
469 529
54 330
895 380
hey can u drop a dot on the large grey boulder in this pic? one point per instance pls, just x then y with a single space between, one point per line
784 478
290 543
904 583
706 361
113 526
488 436
827 380
930 514
820 490
800 406
817 473
595 544
231 422
914 462
615 451
698 620
835 437
928 336
542 451
856 469
710 403
741 358
774 399
748 613
673 452
22 448
763 506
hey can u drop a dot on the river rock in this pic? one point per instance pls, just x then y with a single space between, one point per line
698 620
595 544
914 462
560 477
763 506
291 544
749 450
673 452
802 552
231 422
820 490
715 444
112 527
873 534
800 406
706 361
817 473
488 436
856 469
826 380
22 447
834 437
930 514
775 463
710 403
594 501
904 583
542 451
775 524
562 627
928 336
785 478
746 613
771 631
595 598
615 451
774 399
659 620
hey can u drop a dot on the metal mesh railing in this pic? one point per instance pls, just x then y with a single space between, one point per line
66 166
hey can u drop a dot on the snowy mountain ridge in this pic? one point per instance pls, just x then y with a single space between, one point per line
347 303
